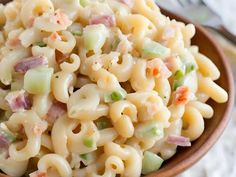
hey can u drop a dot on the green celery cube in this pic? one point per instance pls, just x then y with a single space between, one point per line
38 80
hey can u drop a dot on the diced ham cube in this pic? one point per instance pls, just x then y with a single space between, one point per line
18 101
4 143
107 20
178 140
28 63
38 174
56 110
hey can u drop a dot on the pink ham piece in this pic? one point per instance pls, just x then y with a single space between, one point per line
56 110
18 101
4 146
4 143
38 174
28 63
178 140
129 3
107 20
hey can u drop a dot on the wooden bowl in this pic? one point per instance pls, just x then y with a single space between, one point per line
186 157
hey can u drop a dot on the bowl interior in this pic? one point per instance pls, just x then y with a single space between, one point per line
185 157
213 127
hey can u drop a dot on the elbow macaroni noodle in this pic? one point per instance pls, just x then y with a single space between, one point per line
124 79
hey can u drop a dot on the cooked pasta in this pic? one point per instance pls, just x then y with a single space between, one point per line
92 88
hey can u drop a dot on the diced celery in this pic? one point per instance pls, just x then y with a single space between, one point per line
152 49
189 68
84 3
88 142
115 96
84 156
7 135
107 98
87 158
94 36
178 83
40 44
150 130
76 29
115 43
103 124
77 32
151 162
179 74
38 80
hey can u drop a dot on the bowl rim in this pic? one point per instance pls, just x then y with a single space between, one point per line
197 155
212 139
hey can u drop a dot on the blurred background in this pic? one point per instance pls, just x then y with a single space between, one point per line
219 17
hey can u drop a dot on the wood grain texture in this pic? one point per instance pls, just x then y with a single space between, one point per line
214 127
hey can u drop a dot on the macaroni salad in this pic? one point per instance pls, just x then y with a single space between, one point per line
98 88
